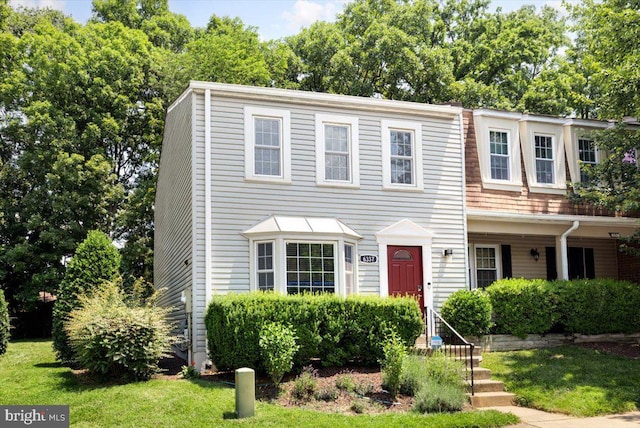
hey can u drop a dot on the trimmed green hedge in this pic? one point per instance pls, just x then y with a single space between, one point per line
522 307
328 327
596 306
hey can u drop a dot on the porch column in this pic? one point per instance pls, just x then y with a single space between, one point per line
562 257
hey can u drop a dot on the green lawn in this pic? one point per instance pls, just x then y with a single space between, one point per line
30 375
569 379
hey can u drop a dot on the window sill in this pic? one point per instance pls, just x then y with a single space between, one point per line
508 186
266 179
400 188
550 190
338 184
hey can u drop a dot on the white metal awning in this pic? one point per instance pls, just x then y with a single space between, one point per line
278 224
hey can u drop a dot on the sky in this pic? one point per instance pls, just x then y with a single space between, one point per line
273 18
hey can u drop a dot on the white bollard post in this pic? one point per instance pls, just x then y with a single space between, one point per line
245 392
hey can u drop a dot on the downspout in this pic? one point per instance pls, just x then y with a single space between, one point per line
562 256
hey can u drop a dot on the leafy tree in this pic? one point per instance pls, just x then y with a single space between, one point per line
228 52
96 260
432 51
81 117
607 46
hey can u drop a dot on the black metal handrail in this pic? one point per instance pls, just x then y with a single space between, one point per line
453 344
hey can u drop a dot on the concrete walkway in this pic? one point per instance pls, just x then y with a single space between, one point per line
531 418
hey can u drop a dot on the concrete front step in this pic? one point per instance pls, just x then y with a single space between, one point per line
491 399
481 373
487 385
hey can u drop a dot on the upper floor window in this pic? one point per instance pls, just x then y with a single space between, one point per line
402 155
499 152
545 165
267 144
337 152
498 147
588 156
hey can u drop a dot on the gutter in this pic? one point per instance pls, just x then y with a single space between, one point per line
561 257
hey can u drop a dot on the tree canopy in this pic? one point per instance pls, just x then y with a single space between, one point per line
82 105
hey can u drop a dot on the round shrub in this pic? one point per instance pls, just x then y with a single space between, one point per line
96 260
522 306
4 324
111 338
277 348
468 312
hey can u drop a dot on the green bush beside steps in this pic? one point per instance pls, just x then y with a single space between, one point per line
335 329
521 307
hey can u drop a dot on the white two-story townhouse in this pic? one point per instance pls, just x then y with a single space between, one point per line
291 191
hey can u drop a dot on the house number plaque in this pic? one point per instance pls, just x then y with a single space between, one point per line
368 258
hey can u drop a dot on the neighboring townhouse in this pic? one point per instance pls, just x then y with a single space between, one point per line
291 191
520 222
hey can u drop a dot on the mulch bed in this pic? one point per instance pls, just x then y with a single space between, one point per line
630 350
375 401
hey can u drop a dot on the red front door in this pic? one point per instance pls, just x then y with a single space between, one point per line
405 272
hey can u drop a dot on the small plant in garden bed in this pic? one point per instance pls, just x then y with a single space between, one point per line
327 394
190 372
345 382
305 385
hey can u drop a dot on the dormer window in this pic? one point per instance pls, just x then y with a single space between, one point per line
588 156
545 164
499 149
498 144
543 154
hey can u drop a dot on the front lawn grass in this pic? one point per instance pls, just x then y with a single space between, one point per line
29 375
569 379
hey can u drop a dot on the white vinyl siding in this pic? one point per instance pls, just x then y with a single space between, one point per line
267 144
173 255
337 150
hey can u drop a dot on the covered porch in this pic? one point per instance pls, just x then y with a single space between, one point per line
547 246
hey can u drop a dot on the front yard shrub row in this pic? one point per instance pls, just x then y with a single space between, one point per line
4 324
328 327
596 306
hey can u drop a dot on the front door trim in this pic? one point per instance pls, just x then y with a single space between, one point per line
406 233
